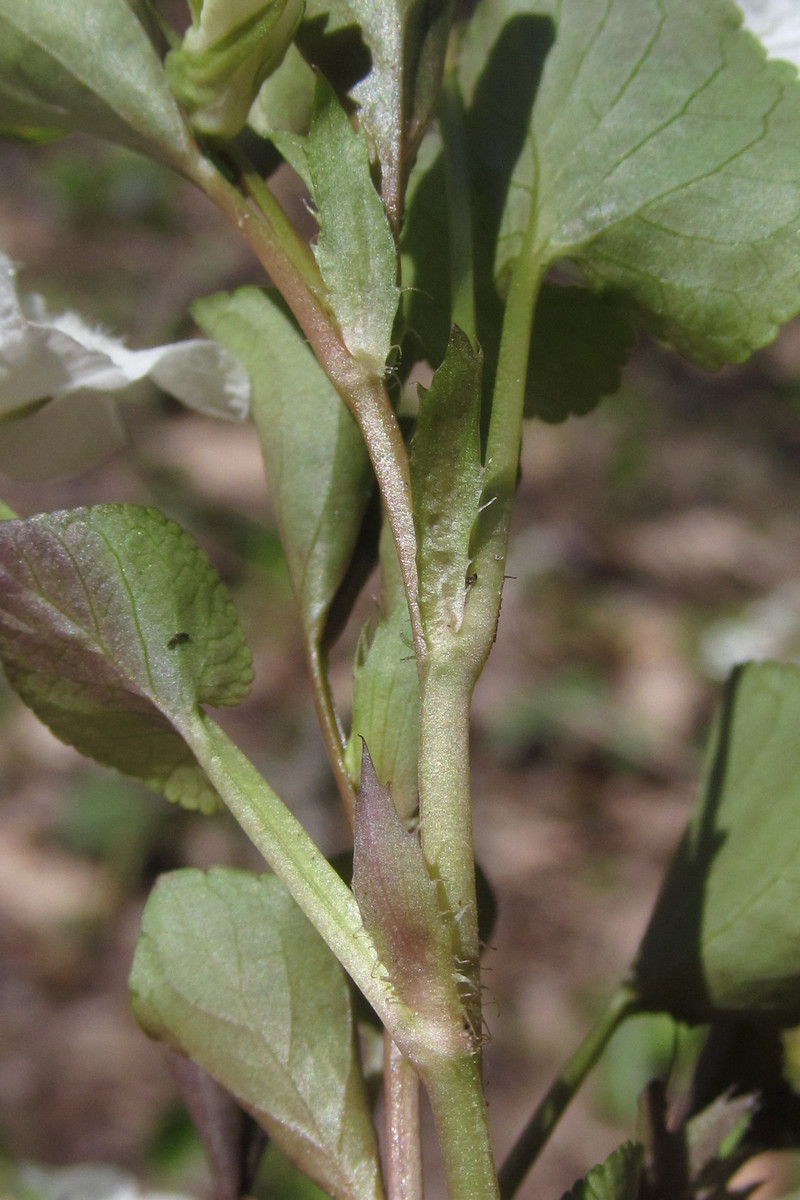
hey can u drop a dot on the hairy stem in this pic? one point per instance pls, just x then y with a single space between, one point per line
446 817
536 1133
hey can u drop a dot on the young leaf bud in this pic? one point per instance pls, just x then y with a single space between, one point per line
226 54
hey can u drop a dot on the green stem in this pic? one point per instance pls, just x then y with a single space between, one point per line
504 443
324 898
282 252
446 817
462 273
541 1125
329 726
455 1091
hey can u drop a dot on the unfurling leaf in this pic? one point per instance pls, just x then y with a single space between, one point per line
615 1179
724 938
226 54
86 65
114 629
228 971
399 904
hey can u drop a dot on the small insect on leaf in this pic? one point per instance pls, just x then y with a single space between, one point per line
178 639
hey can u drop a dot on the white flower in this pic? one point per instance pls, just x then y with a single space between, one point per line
777 24
85 1182
55 416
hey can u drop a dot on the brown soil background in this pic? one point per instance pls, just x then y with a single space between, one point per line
639 527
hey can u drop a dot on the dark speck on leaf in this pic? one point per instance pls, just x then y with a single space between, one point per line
178 639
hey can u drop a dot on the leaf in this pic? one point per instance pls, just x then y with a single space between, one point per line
615 1179
395 92
286 99
87 65
229 972
399 904
446 479
386 693
579 344
661 160
355 249
426 301
114 628
316 463
724 938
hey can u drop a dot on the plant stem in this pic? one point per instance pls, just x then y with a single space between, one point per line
284 255
403 1149
446 817
329 725
455 1091
541 1125
504 443
311 880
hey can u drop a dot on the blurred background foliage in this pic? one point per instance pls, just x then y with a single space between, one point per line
656 542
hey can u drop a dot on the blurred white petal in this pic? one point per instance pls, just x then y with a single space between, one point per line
89 1182
777 24
42 356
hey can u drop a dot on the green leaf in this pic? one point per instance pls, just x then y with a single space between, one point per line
386 693
724 938
426 301
355 248
316 463
615 1179
446 479
399 904
661 159
286 99
396 68
114 628
228 971
579 345
87 65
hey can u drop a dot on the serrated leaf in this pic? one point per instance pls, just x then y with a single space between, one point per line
316 463
579 344
724 938
399 903
114 628
446 479
355 248
615 1179
386 693
229 972
403 48
86 65
662 160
